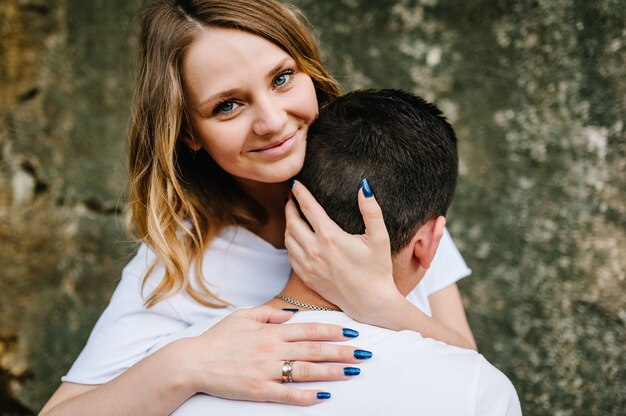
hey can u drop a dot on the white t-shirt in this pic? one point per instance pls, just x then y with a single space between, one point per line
240 268
408 375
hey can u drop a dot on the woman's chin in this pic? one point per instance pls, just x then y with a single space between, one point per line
285 172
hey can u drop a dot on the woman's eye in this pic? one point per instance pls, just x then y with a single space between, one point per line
284 78
226 107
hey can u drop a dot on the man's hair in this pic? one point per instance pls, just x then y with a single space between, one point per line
400 142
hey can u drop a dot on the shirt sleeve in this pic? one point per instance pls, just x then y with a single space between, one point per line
495 394
447 267
126 330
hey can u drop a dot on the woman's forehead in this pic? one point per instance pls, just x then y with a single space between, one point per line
222 59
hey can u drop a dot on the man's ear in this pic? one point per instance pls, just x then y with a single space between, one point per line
428 237
191 143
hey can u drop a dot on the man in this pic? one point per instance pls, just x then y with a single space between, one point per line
408 151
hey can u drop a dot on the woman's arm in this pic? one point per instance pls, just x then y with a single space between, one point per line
404 315
355 271
394 311
241 357
153 386
447 308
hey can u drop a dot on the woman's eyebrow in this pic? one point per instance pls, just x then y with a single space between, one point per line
235 91
219 96
279 66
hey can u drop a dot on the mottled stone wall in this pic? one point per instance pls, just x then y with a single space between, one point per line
535 89
64 100
537 93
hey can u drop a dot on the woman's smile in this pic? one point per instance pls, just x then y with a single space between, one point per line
279 148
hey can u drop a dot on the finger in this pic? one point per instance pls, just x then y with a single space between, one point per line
266 314
312 210
282 393
324 352
296 226
306 371
299 235
371 212
295 253
294 261
292 244
313 331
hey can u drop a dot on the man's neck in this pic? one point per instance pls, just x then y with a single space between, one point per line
298 291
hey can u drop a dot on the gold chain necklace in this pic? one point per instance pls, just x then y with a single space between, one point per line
305 305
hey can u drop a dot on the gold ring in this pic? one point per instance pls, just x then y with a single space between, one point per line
287 369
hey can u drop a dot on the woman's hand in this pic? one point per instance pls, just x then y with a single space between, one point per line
352 271
355 271
242 356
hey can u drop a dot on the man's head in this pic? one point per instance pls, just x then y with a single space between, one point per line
402 144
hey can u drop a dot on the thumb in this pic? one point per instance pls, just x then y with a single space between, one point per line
267 314
371 212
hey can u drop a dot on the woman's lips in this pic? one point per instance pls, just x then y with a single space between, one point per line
279 148
275 144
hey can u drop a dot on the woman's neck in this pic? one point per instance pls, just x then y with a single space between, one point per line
271 196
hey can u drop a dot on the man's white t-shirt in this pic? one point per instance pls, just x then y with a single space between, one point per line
408 375
239 267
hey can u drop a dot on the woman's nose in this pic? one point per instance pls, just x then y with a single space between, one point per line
270 117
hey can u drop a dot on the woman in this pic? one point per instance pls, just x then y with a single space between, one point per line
225 93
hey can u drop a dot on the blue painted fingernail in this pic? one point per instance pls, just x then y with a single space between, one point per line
367 190
351 371
350 333
292 182
362 354
291 310
323 395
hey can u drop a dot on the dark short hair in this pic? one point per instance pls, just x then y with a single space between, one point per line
401 143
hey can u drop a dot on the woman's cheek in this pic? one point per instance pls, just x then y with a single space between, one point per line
311 104
219 144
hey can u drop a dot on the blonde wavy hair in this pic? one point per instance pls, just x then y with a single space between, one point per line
179 199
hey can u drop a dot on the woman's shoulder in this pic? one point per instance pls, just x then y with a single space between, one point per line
141 261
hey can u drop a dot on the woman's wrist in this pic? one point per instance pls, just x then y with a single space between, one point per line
407 316
382 308
180 373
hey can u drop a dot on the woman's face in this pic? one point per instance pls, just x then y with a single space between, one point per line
249 105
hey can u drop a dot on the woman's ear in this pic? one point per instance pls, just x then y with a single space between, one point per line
428 237
191 143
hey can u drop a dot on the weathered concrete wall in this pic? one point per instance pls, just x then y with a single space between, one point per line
535 89
65 88
537 92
